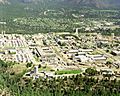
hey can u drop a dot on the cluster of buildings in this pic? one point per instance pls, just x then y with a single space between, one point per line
61 51
14 48
90 50
96 25
12 41
16 55
47 55
81 55
76 50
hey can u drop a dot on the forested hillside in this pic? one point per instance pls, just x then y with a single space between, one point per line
12 84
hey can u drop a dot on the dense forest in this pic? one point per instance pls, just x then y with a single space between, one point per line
12 84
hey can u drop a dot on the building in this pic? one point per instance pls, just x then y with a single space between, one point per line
86 50
81 58
36 69
115 52
97 57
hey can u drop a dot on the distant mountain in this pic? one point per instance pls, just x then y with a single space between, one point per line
95 3
90 3
4 2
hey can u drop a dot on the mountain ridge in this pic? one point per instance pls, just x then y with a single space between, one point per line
96 3
4 2
89 3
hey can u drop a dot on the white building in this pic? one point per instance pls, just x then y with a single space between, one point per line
82 58
36 69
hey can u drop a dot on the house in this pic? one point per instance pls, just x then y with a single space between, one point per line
117 64
36 70
12 51
73 51
115 52
81 53
82 58
97 57
86 50
107 72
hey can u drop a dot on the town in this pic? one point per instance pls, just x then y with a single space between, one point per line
49 55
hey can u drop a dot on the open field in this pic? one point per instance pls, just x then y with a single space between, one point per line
68 72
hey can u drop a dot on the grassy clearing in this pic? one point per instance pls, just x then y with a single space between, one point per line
46 68
18 68
68 72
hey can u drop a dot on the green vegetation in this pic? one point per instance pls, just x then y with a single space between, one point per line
54 17
45 68
6 64
68 72
95 52
29 65
109 61
14 85
90 71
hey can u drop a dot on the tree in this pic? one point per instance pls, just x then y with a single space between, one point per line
29 65
90 71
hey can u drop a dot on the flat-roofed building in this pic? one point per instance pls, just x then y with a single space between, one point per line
86 50
82 58
97 57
